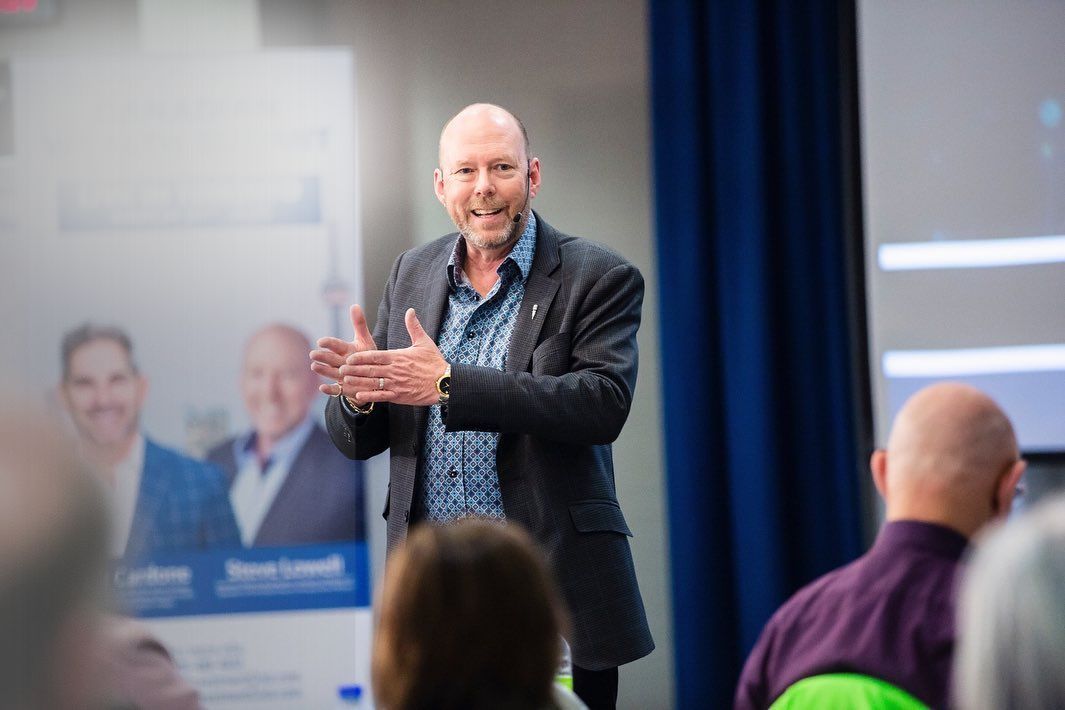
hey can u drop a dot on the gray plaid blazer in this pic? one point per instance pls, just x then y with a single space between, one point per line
562 400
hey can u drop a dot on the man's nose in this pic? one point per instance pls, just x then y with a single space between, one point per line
273 387
485 186
103 395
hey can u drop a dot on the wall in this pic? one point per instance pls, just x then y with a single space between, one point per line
577 74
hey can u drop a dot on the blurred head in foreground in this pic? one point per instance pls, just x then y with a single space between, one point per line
1012 616
470 618
52 566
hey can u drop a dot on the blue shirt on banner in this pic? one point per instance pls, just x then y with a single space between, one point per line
459 475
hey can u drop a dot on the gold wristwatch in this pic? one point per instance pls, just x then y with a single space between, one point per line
443 385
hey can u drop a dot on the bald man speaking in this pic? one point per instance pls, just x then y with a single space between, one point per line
950 467
501 368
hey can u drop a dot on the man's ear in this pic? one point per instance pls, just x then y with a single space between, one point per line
1007 486
142 390
534 177
438 185
878 466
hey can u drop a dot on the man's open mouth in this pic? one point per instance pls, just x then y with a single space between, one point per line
486 213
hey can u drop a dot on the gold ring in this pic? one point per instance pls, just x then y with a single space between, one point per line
340 387
380 383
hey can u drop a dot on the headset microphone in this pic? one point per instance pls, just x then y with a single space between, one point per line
528 187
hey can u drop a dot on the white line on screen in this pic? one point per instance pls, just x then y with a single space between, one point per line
971 253
973 361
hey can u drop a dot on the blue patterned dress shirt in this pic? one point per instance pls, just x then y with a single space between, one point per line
459 475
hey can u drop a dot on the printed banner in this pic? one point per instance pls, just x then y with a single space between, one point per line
179 230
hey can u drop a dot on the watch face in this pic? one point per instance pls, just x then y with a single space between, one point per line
444 385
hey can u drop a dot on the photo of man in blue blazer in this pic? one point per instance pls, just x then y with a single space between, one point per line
161 501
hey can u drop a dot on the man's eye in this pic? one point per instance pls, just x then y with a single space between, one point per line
504 167
464 171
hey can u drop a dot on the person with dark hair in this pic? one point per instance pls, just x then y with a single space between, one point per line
469 619
161 501
506 403
883 625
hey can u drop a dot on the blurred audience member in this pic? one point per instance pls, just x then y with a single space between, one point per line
161 501
52 565
138 671
1011 624
57 649
278 471
469 618
950 467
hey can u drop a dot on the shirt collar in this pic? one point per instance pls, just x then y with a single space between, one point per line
134 461
938 539
521 255
284 449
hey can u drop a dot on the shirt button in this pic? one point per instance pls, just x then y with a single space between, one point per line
453 473
471 335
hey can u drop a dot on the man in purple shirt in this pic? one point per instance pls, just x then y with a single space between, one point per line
950 467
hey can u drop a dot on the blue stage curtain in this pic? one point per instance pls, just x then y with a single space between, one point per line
762 471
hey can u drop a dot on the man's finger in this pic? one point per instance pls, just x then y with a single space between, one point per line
370 373
414 328
375 396
330 373
359 384
327 357
370 357
340 347
332 389
359 327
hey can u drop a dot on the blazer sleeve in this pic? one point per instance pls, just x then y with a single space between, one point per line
589 403
364 436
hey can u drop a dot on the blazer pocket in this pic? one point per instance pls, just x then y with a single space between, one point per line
598 516
552 356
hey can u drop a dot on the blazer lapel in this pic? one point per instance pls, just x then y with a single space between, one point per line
432 316
149 497
435 296
540 290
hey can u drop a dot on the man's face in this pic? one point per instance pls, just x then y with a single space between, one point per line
103 393
484 179
277 384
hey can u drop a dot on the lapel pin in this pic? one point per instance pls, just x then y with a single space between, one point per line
535 306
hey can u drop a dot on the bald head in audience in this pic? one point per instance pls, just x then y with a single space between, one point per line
951 459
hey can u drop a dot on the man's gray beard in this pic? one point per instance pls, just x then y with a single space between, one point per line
509 236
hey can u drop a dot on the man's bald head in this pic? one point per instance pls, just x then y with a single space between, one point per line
474 118
277 386
278 333
951 454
